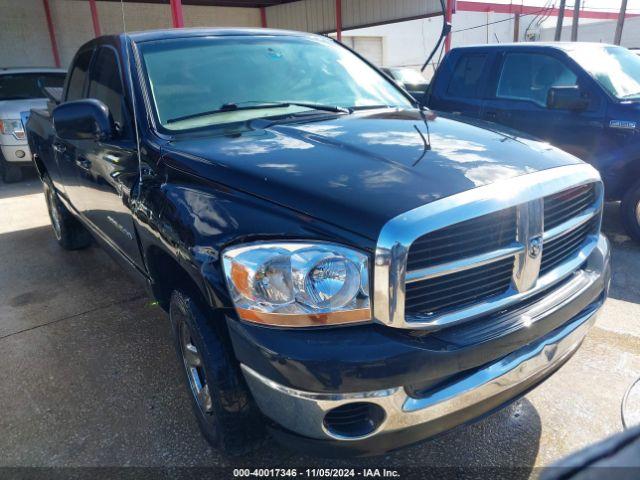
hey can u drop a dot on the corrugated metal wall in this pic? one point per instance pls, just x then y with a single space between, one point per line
319 15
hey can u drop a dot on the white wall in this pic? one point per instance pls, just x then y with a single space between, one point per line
23 34
601 32
409 43
25 39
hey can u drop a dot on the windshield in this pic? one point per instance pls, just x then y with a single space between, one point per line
615 68
195 76
408 75
19 86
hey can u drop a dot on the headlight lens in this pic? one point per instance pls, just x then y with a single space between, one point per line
12 127
298 284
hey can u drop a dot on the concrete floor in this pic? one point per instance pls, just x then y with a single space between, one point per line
88 376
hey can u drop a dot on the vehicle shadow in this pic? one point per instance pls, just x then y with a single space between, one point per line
28 185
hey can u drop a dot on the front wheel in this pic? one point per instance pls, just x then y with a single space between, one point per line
69 232
223 406
631 212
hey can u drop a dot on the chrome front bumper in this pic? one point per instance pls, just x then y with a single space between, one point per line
11 152
303 413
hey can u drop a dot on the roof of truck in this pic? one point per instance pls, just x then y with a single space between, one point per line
12 70
566 46
149 35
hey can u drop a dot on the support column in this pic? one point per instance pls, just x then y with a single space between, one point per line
263 17
516 28
623 11
448 16
339 20
558 34
176 13
94 18
52 33
576 20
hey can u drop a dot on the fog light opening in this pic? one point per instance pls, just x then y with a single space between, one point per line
354 420
20 153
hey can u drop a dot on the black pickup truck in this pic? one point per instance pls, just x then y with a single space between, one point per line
341 267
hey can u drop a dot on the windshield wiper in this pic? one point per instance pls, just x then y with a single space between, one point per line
371 107
233 107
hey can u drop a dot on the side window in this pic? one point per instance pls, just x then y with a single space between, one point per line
78 76
465 81
529 76
105 83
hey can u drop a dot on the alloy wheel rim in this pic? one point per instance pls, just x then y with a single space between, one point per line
53 213
194 367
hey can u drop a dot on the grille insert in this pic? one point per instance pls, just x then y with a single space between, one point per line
456 290
463 240
563 206
560 249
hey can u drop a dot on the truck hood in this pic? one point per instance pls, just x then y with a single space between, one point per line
13 108
358 171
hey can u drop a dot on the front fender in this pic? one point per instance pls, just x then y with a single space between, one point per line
200 219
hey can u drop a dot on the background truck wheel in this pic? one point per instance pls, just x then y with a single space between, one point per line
69 231
10 173
226 413
631 212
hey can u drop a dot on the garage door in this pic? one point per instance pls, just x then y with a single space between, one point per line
369 47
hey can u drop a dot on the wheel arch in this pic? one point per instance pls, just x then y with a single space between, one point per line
167 274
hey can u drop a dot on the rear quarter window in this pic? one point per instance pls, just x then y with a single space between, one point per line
465 81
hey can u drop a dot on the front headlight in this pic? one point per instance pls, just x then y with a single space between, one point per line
12 127
298 284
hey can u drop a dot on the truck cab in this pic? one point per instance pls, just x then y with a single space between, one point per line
583 98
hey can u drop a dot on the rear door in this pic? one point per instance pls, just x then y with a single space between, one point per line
109 169
519 101
460 87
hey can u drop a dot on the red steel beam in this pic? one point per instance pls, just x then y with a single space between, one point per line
447 17
176 13
339 20
52 33
263 17
94 18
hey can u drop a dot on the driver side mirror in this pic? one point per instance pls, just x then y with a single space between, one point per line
567 98
87 119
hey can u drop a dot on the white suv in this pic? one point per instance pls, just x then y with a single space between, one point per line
21 89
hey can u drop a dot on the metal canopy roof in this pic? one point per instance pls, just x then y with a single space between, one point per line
217 3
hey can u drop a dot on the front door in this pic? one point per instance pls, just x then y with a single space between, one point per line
67 152
109 169
520 102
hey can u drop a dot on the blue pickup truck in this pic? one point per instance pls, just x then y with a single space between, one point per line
583 98
338 264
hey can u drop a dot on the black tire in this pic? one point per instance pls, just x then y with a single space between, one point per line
631 212
69 232
10 173
228 416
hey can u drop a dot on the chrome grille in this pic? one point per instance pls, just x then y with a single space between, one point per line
486 249
461 240
448 292
558 250
562 206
